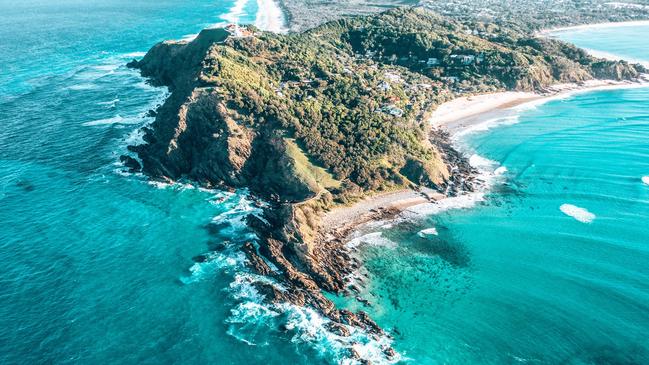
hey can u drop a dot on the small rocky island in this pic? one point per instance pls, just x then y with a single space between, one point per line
309 121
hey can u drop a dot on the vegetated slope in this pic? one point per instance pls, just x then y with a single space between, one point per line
309 120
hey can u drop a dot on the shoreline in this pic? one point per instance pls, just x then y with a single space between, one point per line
631 23
459 116
342 220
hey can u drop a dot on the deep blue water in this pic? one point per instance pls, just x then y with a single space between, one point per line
97 266
552 267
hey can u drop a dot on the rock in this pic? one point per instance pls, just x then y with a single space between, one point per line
338 329
199 258
130 162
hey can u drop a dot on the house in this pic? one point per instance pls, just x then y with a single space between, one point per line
432 62
384 86
464 59
238 32
392 110
392 77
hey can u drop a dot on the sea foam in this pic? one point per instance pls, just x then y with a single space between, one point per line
580 214
428 232
645 179
236 12
374 238
114 120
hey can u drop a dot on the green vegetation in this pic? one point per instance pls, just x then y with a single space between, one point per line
354 92
307 170
349 98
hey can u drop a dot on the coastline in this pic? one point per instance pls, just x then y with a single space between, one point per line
270 17
329 264
552 33
631 23
458 117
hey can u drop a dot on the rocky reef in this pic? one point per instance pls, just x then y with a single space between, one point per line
312 120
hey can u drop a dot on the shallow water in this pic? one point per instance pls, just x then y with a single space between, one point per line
551 268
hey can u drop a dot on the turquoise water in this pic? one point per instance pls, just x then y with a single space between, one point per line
514 279
99 267
628 43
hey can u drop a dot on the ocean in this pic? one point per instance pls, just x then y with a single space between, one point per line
550 265
100 266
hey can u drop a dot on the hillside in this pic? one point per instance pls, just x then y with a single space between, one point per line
307 121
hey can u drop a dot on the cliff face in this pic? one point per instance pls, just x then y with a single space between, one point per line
306 121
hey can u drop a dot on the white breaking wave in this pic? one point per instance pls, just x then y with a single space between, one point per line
580 214
213 261
110 104
114 120
645 179
270 16
133 55
428 232
489 172
252 317
310 328
236 12
459 202
500 170
80 87
374 238
487 125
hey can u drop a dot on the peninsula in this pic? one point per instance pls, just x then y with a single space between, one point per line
316 120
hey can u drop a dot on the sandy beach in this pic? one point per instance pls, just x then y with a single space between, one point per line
461 114
343 218
634 23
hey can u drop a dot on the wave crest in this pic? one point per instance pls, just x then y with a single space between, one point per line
580 214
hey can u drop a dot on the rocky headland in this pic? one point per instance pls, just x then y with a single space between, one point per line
314 120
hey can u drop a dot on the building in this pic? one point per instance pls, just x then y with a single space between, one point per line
432 62
238 32
392 110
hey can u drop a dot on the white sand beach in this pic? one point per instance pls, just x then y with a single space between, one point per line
367 209
463 113
634 23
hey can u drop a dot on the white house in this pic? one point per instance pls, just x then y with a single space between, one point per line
432 61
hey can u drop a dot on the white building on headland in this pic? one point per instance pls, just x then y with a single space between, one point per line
238 32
